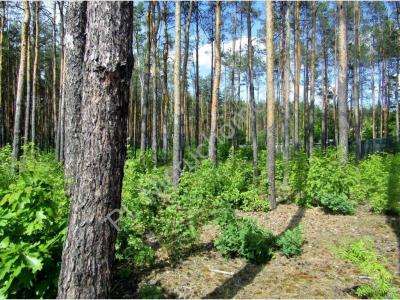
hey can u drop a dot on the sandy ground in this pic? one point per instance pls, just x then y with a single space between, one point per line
317 273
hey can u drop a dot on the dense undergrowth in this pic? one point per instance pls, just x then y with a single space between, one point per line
155 215
33 219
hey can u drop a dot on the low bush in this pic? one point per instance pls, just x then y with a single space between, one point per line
364 256
244 238
150 292
328 175
291 241
337 204
253 201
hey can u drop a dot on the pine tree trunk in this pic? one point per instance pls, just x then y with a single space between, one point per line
197 83
176 168
269 25
21 81
28 90
373 101
165 84
35 73
212 149
342 80
312 79
253 121
356 83
286 93
54 84
62 102
233 117
154 72
2 25
74 55
324 125
396 95
89 247
145 94
185 108
305 99
297 67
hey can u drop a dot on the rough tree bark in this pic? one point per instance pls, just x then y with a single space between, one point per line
212 149
176 168
75 40
89 247
253 121
269 25
342 80
21 80
35 82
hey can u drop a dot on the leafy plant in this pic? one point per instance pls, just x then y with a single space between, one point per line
337 204
252 201
291 241
243 237
150 292
364 256
33 218
327 175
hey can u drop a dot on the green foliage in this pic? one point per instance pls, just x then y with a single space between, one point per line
337 204
33 218
291 241
7 176
364 256
252 201
327 175
380 182
298 175
243 237
150 292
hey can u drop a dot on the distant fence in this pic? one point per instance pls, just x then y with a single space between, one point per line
389 144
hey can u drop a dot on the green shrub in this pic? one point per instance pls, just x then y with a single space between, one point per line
328 175
337 204
374 180
364 256
298 175
33 214
393 205
150 292
252 201
291 241
243 237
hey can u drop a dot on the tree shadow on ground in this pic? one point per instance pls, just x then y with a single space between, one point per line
126 276
393 205
246 275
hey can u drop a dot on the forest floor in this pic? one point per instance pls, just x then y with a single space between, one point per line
317 273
